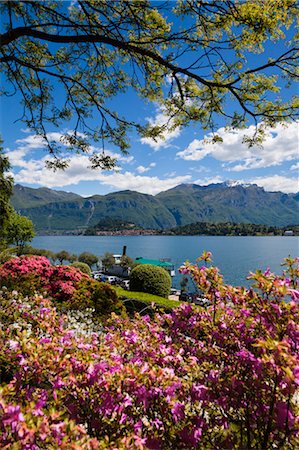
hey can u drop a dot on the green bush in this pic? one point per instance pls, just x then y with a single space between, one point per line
151 279
83 267
99 296
105 301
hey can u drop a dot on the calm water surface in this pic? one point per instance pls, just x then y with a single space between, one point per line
235 256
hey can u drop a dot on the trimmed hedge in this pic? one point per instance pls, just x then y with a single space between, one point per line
83 267
151 279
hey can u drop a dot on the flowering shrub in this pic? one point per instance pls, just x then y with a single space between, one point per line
70 287
30 274
219 378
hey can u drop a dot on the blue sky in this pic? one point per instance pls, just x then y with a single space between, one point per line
151 167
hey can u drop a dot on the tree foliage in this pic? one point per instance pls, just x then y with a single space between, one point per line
20 230
88 258
229 229
188 56
6 183
108 260
63 255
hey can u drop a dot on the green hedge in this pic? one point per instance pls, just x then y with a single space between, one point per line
151 279
83 267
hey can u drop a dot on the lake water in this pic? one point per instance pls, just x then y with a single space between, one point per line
235 256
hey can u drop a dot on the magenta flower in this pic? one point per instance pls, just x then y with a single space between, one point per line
294 294
12 417
178 411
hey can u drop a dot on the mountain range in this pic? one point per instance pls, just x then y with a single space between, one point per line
62 212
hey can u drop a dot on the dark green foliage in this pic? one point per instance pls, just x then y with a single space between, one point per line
82 266
126 262
93 294
110 224
28 250
105 301
6 184
63 255
151 279
88 258
228 229
108 260
19 231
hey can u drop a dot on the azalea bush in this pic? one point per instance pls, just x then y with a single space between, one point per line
67 285
224 377
30 274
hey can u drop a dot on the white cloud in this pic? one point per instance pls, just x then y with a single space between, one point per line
34 171
295 166
30 144
168 135
142 169
144 184
78 171
200 169
277 183
209 180
170 174
280 145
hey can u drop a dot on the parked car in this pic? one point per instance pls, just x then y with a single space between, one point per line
201 301
110 279
185 297
125 284
96 274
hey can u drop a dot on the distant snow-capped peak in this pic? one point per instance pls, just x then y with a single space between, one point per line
234 183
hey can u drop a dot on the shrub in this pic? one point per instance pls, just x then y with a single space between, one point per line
105 301
189 379
30 274
83 267
101 297
67 285
151 279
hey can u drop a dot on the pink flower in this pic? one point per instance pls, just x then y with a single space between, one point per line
12 416
178 411
283 414
184 270
294 294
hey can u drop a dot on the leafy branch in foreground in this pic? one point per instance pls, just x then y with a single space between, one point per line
189 57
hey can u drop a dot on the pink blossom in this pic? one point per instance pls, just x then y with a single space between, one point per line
178 411
294 294
12 417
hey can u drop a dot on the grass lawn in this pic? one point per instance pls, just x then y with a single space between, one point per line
148 298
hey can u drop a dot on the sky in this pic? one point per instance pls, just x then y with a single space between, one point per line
183 156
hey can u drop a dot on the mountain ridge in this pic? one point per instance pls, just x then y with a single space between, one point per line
60 211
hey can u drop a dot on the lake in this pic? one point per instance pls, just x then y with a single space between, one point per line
235 256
